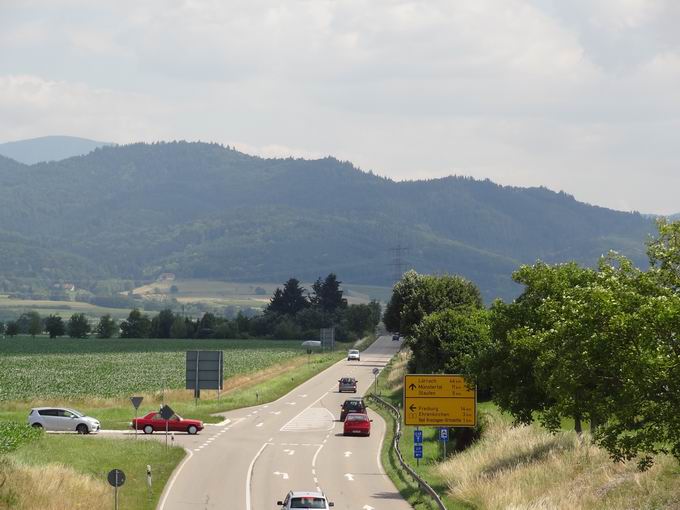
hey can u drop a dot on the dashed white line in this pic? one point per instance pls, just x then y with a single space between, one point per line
315 456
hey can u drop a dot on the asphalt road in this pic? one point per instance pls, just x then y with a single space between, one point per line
258 454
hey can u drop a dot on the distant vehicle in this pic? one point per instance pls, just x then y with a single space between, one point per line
62 419
154 422
395 337
347 384
352 405
353 354
305 500
357 424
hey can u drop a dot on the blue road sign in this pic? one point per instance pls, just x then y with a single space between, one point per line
444 434
418 451
417 436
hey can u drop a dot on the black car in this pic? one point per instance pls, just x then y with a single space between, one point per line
395 337
352 405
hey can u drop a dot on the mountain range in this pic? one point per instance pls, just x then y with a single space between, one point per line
208 211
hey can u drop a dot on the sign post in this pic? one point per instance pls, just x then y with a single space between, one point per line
166 414
148 481
439 400
136 401
116 479
376 371
204 371
418 445
444 438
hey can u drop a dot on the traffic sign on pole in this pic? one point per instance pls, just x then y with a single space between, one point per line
444 434
439 400
417 436
418 451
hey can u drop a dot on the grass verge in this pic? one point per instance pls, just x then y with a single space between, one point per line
69 472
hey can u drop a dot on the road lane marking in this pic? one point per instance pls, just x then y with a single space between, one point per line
289 452
303 396
349 476
315 418
275 412
260 424
367 507
249 476
174 477
282 475
315 456
347 454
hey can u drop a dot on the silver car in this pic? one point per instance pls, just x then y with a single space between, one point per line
62 419
353 354
304 499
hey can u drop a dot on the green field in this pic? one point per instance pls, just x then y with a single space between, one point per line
71 368
11 308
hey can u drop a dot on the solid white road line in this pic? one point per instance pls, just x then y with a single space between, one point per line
168 487
249 477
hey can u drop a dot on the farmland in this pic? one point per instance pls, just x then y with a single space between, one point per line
74 369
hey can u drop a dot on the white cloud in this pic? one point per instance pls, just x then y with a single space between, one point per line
578 95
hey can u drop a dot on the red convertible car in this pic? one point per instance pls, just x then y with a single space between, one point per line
357 424
154 422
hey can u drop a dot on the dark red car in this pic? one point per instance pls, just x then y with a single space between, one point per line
357 424
154 422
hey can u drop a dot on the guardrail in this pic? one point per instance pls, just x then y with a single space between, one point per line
422 484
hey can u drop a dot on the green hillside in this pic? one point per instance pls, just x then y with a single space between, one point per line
206 211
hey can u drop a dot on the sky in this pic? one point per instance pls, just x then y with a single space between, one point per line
581 95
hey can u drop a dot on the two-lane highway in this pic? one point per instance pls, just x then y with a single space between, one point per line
259 454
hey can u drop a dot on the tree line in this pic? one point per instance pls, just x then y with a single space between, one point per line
292 313
598 345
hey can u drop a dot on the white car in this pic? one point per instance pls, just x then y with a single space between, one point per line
305 500
62 419
353 355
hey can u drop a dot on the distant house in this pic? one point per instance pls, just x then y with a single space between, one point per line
166 277
68 287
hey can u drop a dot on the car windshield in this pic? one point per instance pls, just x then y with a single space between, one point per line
308 502
354 352
354 404
356 417
347 380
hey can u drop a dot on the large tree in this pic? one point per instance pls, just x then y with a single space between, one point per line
137 325
12 329
290 300
78 326
415 296
54 325
327 295
449 341
106 327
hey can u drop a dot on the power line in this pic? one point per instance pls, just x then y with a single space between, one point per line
398 263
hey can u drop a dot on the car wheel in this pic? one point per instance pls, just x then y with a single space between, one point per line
148 429
192 430
37 426
82 429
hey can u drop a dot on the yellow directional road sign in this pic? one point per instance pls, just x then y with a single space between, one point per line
439 400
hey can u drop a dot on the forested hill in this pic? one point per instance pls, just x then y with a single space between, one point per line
202 210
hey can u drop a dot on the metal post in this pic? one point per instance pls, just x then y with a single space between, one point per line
148 481
115 494
417 459
196 389
166 434
136 423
